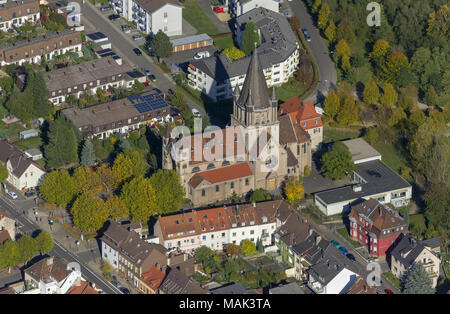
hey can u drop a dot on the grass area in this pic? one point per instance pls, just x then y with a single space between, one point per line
394 280
34 142
10 131
224 42
197 18
292 88
339 134
391 156
343 232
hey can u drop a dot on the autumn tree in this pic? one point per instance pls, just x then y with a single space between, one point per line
58 187
398 114
343 54
316 6
87 180
324 15
348 111
438 24
371 92
233 249
431 98
380 50
45 242
116 208
389 97
167 186
394 63
294 191
295 23
139 196
108 179
129 164
248 247
331 105
337 163
345 31
89 213
330 31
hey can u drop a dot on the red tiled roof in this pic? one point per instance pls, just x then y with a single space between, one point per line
174 224
303 113
154 276
4 236
214 217
240 170
83 288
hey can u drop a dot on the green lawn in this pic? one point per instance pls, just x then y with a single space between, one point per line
197 18
338 135
11 131
394 280
343 232
292 88
34 142
391 156
224 42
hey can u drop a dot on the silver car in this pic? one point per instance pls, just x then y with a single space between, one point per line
137 37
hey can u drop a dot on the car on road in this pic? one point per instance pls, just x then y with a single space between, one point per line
138 37
170 91
12 194
116 283
125 290
104 9
113 17
307 37
351 257
137 51
342 249
335 244
218 10
146 71
196 113
201 55
152 78
388 291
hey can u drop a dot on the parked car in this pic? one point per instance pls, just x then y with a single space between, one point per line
104 9
196 113
146 71
170 91
343 249
137 51
351 257
335 243
125 290
116 283
218 10
126 28
113 17
305 32
137 37
29 193
201 55
146 84
12 194
152 78
388 291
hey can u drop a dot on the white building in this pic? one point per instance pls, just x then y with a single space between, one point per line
239 7
18 13
150 16
24 173
335 280
217 76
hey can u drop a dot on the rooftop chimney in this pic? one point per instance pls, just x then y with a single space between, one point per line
50 261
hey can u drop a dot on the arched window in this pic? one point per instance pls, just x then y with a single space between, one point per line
225 163
195 169
211 166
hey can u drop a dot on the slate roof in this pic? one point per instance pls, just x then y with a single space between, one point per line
154 5
291 131
312 249
379 179
49 268
407 249
178 283
19 161
295 230
233 288
290 288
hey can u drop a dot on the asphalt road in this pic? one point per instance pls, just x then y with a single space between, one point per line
29 227
318 49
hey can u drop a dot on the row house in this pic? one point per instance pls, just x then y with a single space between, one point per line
218 76
48 45
17 13
128 253
217 227
85 78
7 227
151 16
119 116
375 226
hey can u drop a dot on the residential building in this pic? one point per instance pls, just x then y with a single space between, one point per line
239 164
218 76
119 116
217 227
152 279
48 45
7 227
24 173
239 7
191 42
178 283
361 287
371 179
84 78
52 275
290 288
232 288
28 134
304 113
151 16
17 13
127 252
84 287
34 153
408 251
376 226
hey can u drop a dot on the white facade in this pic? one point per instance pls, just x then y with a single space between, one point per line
110 255
338 285
52 286
241 7
167 18
31 177
17 22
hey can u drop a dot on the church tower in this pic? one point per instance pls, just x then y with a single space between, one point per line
253 106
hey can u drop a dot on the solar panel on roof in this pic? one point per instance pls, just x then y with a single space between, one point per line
108 54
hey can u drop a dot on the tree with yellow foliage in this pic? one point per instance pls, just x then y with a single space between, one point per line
294 190
233 53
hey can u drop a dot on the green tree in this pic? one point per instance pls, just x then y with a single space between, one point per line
116 208
62 147
87 180
41 105
394 63
431 97
398 114
233 53
45 242
389 97
89 213
437 198
345 31
371 92
161 46
28 248
337 163
348 112
418 281
3 173
248 247
10 254
58 187
331 105
330 31
259 195
316 6
250 38
203 254
170 193
139 196
88 154
324 15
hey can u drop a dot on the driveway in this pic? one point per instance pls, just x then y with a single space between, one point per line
319 51
206 7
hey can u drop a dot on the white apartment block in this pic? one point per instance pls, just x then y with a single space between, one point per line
150 16
239 7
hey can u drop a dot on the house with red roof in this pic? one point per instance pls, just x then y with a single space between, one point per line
306 116
152 279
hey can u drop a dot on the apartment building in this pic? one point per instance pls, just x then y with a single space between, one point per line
48 45
239 7
119 116
217 227
85 78
17 13
151 16
218 76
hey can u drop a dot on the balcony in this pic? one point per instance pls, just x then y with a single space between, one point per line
191 76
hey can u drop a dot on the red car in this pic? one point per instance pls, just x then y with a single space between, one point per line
146 84
218 10
388 291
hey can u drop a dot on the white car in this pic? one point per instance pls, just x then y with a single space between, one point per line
12 194
201 55
196 113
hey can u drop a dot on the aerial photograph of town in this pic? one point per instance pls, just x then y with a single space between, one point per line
225 151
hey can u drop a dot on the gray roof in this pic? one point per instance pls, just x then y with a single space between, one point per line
19 161
312 249
408 249
154 5
290 288
234 288
360 149
278 42
29 132
11 4
379 179
190 39
37 39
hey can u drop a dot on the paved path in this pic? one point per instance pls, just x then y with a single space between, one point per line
319 51
206 7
